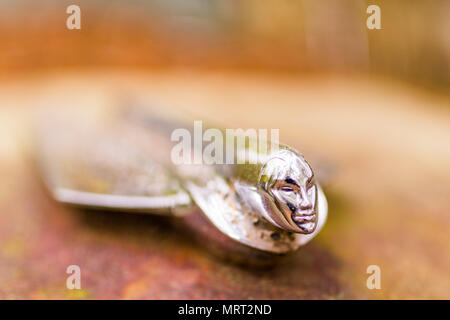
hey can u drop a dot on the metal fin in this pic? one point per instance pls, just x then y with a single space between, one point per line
110 167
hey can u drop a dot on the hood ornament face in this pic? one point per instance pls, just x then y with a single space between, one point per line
288 181
274 205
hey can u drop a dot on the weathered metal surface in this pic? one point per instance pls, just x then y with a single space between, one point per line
388 196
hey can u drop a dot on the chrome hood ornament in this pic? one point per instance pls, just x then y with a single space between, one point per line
274 204
286 183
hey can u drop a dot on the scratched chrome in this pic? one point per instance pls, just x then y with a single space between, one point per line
275 205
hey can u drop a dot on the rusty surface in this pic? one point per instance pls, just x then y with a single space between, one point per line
388 195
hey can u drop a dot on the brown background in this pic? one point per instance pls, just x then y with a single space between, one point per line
373 106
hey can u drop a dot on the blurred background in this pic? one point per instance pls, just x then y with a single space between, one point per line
276 35
369 106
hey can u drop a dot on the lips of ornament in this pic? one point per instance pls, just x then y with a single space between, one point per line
304 216
305 220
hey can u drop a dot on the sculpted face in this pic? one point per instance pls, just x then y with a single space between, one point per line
289 180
